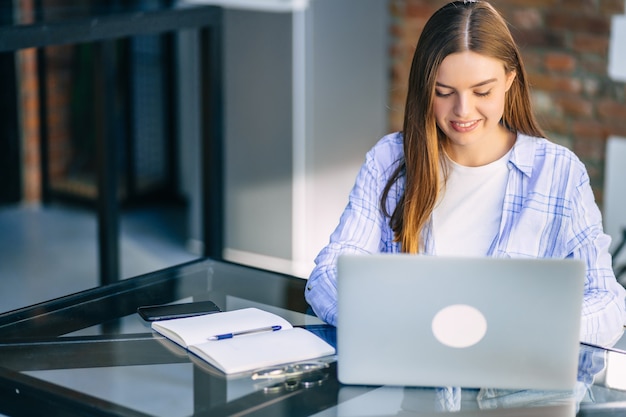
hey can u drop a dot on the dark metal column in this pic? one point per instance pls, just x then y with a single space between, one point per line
107 165
212 141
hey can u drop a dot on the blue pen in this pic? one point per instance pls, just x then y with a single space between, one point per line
233 334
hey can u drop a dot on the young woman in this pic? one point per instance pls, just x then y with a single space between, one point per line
471 173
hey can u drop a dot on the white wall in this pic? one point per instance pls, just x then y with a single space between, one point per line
615 168
306 97
617 48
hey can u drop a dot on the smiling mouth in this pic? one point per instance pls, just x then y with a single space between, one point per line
464 125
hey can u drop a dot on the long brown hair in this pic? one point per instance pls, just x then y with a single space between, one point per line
456 27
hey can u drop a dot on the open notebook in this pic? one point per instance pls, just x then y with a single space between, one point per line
243 340
469 322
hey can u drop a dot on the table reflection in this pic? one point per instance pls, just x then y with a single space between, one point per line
613 372
600 372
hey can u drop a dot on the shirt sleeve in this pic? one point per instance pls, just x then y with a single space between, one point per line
604 302
358 232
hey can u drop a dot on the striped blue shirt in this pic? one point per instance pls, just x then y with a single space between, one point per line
549 211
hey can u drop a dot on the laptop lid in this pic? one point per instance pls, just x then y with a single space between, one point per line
469 322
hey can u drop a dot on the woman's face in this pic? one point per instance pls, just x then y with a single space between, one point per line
469 103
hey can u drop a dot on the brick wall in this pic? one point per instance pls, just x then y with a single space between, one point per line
564 45
58 83
58 62
29 104
29 114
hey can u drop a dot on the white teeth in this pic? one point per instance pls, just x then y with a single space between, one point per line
468 124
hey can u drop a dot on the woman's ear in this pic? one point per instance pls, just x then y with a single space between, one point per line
509 79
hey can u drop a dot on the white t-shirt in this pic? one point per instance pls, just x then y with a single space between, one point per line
467 218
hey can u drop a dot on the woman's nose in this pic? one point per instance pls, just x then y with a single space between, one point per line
462 105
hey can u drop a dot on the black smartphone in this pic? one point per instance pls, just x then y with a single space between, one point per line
177 311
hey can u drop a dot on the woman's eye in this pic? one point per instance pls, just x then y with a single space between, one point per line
483 94
442 94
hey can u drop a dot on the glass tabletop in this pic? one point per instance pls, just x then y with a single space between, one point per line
90 353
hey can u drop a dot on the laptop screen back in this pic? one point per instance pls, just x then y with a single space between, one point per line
470 322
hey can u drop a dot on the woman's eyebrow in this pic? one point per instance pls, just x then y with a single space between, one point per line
480 84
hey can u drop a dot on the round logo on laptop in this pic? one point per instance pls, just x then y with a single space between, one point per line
459 326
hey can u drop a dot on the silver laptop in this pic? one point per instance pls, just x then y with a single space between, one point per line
468 322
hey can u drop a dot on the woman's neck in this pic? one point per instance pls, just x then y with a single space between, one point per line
482 153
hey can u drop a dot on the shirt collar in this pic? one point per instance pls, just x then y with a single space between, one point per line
523 153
